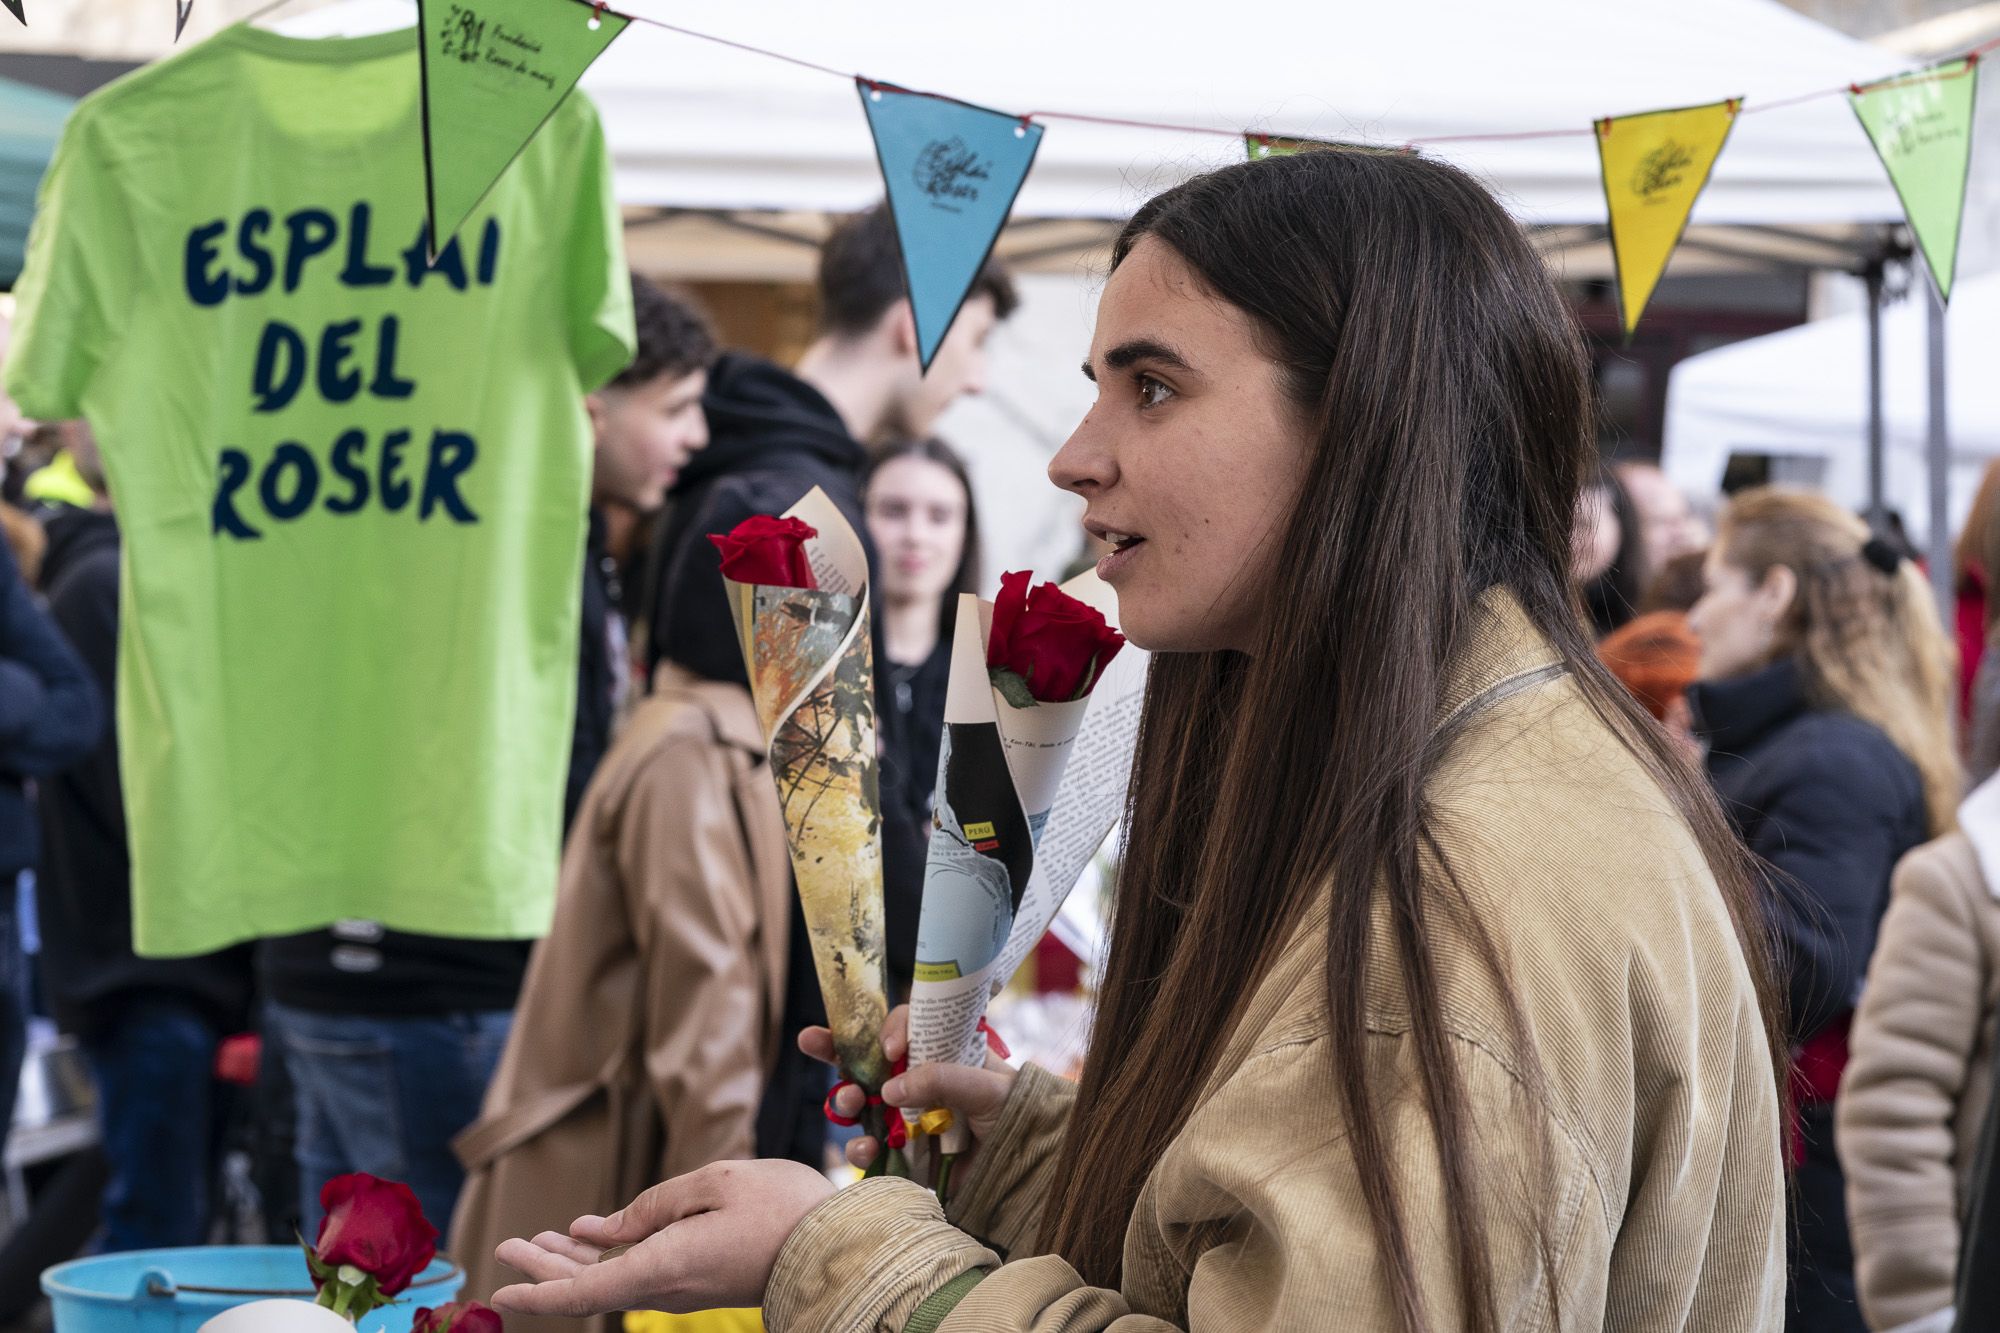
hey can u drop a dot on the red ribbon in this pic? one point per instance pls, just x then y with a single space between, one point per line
993 1040
846 1122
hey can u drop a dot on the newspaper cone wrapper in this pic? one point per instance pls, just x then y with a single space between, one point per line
1091 796
999 774
812 676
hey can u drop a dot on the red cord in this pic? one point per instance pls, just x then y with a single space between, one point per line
1971 58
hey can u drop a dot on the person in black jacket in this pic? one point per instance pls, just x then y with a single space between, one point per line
1825 704
774 436
51 713
149 1025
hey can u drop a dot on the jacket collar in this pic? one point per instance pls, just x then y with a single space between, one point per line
1502 650
727 703
1733 715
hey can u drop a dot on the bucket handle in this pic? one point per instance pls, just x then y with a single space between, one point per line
156 1284
159 1284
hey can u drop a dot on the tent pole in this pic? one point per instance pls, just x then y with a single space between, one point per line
1940 464
1872 275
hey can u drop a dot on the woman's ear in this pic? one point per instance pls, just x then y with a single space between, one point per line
1775 593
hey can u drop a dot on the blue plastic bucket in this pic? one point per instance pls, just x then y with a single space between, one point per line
176 1291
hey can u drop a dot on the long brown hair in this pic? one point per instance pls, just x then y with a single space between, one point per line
1868 642
1447 393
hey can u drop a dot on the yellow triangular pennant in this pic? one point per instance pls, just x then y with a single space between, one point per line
1655 165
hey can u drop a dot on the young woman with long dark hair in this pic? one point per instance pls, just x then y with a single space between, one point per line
1437 997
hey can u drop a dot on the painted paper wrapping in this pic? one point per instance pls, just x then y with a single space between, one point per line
1004 791
812 676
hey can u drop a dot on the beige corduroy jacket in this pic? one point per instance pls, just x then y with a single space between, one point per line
1914 1096
1663 1183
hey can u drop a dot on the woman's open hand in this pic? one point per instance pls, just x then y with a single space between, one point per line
703 1241
975 1096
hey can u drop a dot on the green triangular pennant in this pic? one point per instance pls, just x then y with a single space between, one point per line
1260 146
493 72
1921 126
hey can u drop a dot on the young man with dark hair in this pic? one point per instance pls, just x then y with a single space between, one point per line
392 1038
773 436
648 424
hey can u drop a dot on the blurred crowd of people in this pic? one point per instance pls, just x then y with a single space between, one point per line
1789 649
1849 731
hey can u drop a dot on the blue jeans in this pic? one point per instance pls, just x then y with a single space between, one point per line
155 1109
387 1096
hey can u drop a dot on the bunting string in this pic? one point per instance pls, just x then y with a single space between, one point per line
1972 56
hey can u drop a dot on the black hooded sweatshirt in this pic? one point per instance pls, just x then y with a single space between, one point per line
84 884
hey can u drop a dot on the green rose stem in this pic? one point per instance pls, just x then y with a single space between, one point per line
946 1162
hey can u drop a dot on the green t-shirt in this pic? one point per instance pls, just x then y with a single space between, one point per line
352 487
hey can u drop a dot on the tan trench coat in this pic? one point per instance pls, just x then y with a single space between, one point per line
649 1019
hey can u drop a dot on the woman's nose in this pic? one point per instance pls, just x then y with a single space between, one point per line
1083 464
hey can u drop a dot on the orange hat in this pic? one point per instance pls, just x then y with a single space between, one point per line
1656 656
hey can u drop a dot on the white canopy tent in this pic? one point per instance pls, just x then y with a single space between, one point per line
740 154
1801 396
697 125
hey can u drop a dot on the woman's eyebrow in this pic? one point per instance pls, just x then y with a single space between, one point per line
1135 350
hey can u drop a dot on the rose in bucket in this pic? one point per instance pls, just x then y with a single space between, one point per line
373 1242
458 1317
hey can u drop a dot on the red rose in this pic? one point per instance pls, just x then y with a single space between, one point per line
1055 643
458 1317
767 550
377 1226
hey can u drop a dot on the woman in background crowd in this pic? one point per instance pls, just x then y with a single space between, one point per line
917 498
1608 552
1915 1096
1825 701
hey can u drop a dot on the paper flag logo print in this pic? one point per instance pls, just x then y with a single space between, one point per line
493 72
182 8
1921 127
1654 166
952 171
18 8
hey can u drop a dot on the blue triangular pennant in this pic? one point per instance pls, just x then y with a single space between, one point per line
952 171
